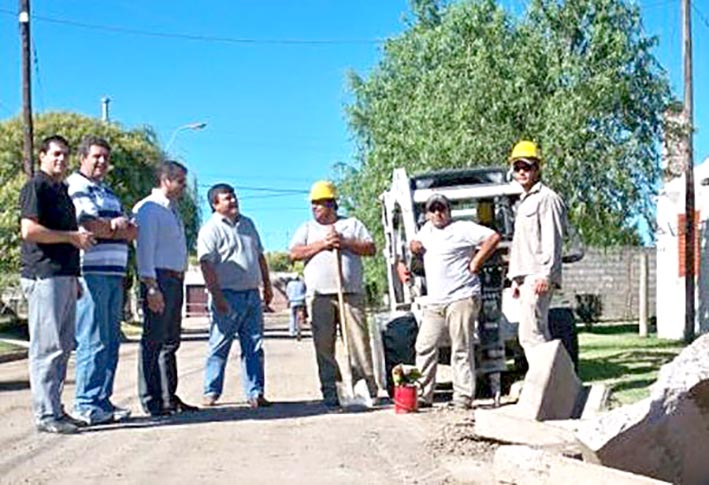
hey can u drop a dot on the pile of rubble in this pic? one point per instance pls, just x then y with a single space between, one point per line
557 432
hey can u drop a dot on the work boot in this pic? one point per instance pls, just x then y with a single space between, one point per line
259 402
461 404
422 404
181 407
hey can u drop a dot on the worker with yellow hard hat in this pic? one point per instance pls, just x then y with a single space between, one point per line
318 242
323 190
535 255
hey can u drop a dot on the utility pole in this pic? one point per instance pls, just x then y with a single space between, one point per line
642 294
24 18
690 229
105 117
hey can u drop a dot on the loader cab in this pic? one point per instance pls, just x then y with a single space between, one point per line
483 195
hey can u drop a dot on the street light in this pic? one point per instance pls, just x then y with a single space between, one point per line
188 126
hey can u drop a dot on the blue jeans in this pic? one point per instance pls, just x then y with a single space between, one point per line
246 320
51 321
293 322
98 332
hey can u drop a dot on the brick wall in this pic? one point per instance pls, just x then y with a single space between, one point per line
610 277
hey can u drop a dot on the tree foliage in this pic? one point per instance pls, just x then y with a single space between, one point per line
464 82
134 156
280 261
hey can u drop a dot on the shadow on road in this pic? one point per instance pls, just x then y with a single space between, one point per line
232 412
20 385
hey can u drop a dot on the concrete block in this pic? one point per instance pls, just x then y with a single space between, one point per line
528 466
665 436
596 401
506 425
551 386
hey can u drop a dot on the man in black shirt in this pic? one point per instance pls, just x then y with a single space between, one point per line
50 267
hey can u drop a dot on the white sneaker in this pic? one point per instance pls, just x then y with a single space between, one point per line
92 417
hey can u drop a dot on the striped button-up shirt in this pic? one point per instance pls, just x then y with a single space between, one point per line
95 200
161 239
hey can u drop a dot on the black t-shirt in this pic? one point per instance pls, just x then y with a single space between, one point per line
47 201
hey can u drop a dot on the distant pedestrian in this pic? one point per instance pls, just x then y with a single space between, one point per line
535 256
233 264
295 291
453 254
161 253
103 266
51 241
314 242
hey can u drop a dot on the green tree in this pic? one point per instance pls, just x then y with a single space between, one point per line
278 261
135 154
464 82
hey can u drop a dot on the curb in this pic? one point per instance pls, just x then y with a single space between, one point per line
12 356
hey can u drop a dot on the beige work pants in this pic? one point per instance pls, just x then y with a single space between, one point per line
458 319
324 315
533 315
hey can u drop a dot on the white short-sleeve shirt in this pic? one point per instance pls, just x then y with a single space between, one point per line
320 271
447 257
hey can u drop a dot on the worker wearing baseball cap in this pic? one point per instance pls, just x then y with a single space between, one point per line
453 253
535 255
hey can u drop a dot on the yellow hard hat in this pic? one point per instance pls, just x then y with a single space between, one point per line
323 190
525 150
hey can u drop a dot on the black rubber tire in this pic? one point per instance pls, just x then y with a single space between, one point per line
399 341
562 326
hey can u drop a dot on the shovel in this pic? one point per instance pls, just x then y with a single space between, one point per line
350 394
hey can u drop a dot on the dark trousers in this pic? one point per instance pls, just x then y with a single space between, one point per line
157 364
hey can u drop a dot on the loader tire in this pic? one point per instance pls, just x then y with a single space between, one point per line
399 341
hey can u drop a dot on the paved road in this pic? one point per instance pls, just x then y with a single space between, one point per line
295 441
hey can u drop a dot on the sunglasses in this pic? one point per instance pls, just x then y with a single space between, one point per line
524 167
437 208
323 202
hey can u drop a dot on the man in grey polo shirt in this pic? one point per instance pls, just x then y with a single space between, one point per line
233 264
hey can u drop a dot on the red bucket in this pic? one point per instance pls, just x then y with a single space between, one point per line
405 399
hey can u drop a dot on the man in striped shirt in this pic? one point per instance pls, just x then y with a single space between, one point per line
103 266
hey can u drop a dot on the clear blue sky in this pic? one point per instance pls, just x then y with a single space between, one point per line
274 106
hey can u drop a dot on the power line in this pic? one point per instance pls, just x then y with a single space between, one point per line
701 16
200 37
269 196
657 4
4 107
271 178
272 191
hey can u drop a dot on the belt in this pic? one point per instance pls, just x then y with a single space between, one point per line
171 273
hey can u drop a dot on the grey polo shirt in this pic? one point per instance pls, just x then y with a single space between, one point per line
234 249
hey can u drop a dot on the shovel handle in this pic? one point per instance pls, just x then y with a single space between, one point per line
341 300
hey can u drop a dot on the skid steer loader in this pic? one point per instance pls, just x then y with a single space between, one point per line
486 196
